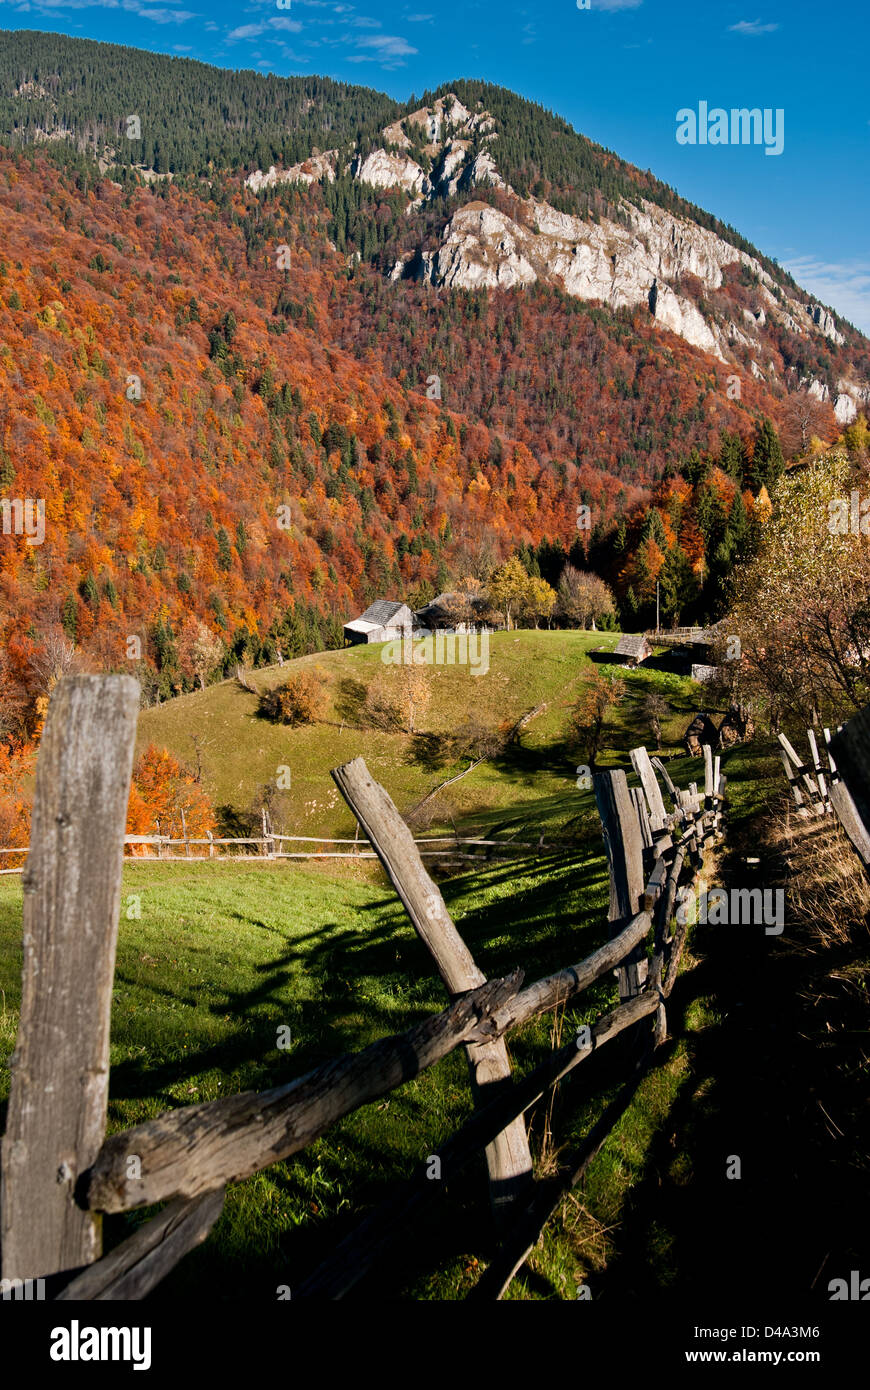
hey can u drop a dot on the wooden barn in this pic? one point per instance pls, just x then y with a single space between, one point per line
453 612
383 621
631 650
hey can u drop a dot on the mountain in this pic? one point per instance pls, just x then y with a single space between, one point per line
298 346
573 215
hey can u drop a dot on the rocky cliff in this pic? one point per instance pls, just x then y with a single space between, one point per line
647 257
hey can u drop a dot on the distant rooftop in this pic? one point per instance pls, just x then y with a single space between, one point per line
380 613
631 645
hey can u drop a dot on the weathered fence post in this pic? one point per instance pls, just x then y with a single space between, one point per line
658 816
508 1157
72 899
851 795
184 835
624 846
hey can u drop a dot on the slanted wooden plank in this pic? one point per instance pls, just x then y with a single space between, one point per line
802 809
831 764
708 771
200 1148
668 780
137 1266
624 847
849 817
658 816
819 770
851 796
347 1264
508 1157
799 767
639 800
72 901
655 885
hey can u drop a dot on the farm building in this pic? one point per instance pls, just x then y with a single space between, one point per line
631 650
455 613
383 621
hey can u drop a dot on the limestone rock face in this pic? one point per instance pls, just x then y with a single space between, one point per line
648 257
383 170
825 321
852 399
819 390
845 409
309 171
483 246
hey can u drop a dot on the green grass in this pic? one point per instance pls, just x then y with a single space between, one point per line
243 752
214 959
223 956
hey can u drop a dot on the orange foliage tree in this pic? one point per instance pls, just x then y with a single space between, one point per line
163 788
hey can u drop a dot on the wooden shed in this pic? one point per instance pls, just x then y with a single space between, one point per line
631 650
383 621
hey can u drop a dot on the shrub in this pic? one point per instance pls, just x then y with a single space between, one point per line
300 700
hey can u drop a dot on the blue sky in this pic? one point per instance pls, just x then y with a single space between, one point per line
619 71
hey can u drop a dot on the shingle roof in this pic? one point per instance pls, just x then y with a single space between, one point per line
631 645
442 603
381 612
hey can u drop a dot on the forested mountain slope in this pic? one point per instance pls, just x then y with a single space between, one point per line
251 404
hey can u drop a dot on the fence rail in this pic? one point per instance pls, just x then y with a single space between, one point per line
838 786
59 1169
453 849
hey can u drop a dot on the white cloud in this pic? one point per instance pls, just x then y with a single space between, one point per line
160 15
387 49
752 27
388 44
616 4
845 285
163 16
253 31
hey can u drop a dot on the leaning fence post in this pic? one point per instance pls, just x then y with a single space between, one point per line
624 846
658 816
508 1157
72 900
851 794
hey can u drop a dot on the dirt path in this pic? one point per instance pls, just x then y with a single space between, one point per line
758 1089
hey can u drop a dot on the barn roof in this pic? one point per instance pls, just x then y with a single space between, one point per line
359 625
381 612
443 602
631 645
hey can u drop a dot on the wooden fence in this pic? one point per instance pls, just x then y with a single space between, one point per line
60 1171
838 785
267 848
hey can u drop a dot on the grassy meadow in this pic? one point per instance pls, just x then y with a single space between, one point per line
214 958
